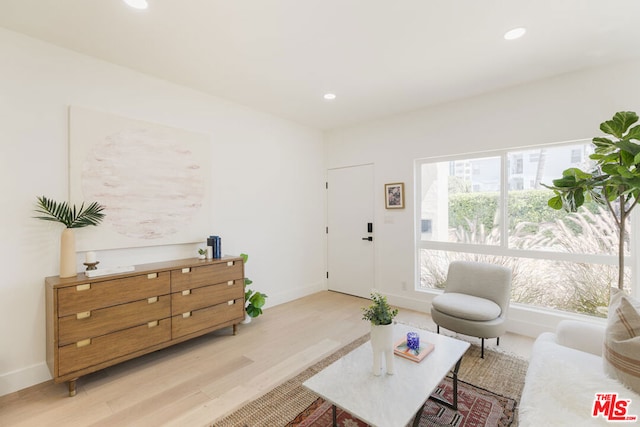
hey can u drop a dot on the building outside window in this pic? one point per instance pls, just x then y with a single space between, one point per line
494 209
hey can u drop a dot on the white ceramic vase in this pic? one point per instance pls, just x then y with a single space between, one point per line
247 319
68 253
382 345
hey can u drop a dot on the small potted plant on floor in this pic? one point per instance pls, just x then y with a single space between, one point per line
254 300
381 315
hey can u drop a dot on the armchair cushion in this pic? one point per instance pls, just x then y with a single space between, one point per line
483 280
466 307
583 336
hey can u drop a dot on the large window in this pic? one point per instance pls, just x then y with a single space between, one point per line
493 208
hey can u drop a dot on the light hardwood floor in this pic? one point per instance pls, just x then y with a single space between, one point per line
196 382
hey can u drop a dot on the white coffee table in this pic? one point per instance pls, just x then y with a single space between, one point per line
389 400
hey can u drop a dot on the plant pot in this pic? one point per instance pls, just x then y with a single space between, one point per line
68 253
382 345
247 319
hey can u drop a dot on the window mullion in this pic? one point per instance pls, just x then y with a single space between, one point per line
504 192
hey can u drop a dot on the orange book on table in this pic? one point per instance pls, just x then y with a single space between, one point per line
401 349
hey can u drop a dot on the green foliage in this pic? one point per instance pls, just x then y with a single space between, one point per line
478 207
69 216
524 206
616 177
254 300
379 312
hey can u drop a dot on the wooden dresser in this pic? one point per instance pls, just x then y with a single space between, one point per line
93 323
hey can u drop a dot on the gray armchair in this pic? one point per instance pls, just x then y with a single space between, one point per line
475 300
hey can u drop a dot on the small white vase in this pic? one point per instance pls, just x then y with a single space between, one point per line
68 253
382 345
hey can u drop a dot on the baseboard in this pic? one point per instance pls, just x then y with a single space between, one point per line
22 378
421 302
294 294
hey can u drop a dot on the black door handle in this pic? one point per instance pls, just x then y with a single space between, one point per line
368 238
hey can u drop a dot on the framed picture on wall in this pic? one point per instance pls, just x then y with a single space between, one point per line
394 195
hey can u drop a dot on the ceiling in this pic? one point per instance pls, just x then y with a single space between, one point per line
379 57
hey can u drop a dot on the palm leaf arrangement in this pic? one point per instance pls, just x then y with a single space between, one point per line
70 216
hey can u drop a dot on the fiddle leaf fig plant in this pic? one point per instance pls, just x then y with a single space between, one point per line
70 216
614 182
254 300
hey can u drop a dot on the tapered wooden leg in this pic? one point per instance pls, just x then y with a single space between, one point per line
235 328
72 387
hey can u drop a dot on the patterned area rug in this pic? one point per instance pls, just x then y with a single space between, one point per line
501 373
476 407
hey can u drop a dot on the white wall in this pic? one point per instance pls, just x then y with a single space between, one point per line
268 185
563 108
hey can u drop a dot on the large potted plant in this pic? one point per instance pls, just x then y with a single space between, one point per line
71 217
614 182
380 315
254 300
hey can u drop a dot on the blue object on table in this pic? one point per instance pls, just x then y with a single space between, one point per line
413 340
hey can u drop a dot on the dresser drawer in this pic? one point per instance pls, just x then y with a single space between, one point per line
195 277
196 320
92 296
94 323
74 357
194 299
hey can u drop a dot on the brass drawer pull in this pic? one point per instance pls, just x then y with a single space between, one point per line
84 287
230 264
152 276
186 270
152 300
186 315
83 315
83 343
152 324
187 292
230 282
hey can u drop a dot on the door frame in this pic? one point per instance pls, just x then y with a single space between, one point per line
373 219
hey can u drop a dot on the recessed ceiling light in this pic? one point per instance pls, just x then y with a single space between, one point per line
516 33
329 96
137 4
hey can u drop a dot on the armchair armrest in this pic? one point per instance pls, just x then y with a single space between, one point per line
587 337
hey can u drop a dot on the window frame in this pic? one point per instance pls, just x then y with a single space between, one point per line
503 249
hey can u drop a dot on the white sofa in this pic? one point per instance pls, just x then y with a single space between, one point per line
565 372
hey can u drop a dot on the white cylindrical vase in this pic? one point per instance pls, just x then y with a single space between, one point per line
68 253
382 345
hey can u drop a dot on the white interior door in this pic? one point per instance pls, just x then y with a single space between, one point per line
350 240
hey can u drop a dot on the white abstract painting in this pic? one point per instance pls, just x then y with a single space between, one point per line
153 181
